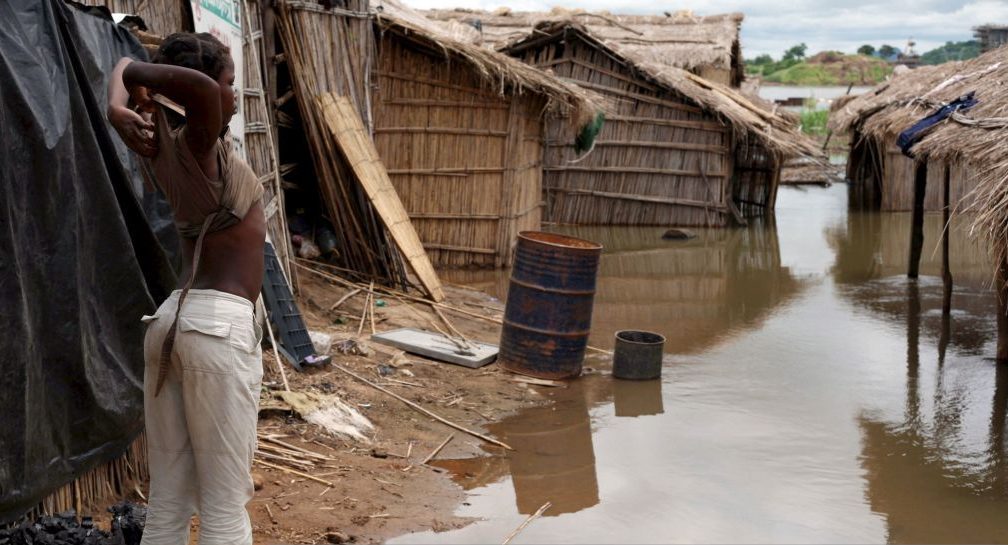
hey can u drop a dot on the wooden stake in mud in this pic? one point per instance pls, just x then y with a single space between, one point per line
420 409
1002 313
946 272
917 227
528 521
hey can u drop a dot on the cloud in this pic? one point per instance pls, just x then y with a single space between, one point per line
771 26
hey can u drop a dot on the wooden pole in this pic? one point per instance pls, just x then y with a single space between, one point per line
1002 313
946 321
946 271
917 226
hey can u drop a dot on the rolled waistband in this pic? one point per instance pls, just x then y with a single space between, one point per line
209 302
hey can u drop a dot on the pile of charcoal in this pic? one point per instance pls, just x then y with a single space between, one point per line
65 529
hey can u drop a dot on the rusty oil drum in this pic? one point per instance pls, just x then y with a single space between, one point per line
547 317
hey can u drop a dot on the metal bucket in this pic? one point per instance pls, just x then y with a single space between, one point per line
638 355
549 305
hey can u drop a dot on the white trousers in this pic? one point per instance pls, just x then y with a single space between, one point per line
201 429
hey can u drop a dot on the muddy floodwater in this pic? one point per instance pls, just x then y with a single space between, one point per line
810 394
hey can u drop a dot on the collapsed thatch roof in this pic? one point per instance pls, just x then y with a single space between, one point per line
678 39
978 136
506 74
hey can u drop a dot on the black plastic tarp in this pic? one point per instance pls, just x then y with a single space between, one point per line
79 261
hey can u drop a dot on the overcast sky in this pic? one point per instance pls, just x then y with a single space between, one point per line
771 26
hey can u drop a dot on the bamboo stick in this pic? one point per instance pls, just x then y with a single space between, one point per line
437 450
528 521
422 410
293 472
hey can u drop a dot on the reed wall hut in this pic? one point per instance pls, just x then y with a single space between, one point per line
882 177
675 149
460 129
972 140
708 46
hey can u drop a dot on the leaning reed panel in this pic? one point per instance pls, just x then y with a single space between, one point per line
332 51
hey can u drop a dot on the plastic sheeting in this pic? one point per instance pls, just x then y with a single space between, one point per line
79 261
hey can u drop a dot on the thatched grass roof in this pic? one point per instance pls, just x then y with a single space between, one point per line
749 116
977 137
506 74
680 39
661 48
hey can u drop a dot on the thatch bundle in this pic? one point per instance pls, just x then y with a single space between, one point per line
708 46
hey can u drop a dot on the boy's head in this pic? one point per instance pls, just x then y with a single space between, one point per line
205 53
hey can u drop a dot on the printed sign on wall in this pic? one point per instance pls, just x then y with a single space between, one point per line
222 18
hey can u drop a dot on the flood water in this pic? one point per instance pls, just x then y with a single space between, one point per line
810 394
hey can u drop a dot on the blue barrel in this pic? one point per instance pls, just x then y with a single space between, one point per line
547 317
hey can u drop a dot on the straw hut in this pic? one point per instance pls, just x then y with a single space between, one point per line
676 149
972 141
460 130
707 46
881 175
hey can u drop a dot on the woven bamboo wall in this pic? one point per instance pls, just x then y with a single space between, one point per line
755 178
465 160
657 161
161 16
259 133
883 173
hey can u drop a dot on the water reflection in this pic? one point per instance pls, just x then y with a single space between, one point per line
841 405
871 258
930 480
937 476
633 398
553 458
696 292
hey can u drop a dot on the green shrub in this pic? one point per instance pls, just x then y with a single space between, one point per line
813 122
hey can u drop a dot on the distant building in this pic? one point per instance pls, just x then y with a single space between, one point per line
991 36
908 57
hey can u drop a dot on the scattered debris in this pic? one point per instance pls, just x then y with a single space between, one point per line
352 347
322 341
337 538
330 413
539 382
439 346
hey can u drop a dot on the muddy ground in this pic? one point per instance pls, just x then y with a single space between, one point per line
378 491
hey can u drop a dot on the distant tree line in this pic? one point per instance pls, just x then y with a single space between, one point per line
952 51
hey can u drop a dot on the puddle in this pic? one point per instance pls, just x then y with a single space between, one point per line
811 393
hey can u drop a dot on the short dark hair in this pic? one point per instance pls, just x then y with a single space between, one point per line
199 51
